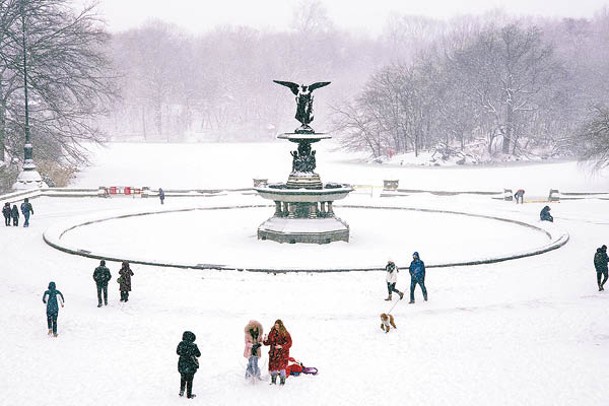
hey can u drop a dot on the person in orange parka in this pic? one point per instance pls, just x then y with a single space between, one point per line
280 342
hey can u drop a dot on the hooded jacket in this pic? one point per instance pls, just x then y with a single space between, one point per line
392 272
417 269
252 337
188 352
600 260
50 298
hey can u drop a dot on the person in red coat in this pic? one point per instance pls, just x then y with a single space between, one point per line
280 342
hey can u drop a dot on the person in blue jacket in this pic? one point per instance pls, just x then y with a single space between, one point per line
27 210
545 215
188 362
417 276
50 299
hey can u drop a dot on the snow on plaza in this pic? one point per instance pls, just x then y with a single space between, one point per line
528 331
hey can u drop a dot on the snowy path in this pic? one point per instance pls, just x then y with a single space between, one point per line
533 331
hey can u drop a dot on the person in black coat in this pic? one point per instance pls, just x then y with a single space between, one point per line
50 298
188 362
545 215
6 212
125 281
102 276
600 263
15 215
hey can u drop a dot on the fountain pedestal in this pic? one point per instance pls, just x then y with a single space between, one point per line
304 210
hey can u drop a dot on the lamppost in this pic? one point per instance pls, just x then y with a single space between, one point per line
29 178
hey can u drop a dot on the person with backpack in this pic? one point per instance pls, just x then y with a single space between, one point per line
253 342
279 341
15 215
125 281
417 276
26 209
600 263
50 299
102 276
391 277
188 362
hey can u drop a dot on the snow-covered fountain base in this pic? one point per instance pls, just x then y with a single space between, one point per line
303 205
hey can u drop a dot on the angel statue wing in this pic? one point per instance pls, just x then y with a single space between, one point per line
293 86
317 85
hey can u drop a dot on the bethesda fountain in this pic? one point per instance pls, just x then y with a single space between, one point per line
303 205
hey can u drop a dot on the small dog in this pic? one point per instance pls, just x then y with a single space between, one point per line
387 322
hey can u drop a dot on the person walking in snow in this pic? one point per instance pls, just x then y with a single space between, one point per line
125 281
253 342
519 196
600 263
15 215
188 362
102 276
162 196
280 342
50 299
545 215
6 212
391 277
417 276
26 209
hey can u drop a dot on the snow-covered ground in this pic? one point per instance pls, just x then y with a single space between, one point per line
533 331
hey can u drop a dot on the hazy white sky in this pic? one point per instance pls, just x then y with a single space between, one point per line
367 16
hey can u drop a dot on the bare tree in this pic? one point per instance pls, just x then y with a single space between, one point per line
68 75
593 137
510 72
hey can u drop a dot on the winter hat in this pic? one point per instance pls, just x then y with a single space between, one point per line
102 262
415 254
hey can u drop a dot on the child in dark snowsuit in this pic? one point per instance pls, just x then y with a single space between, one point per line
50 298
15 215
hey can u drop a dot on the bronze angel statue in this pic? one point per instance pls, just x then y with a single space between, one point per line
304 102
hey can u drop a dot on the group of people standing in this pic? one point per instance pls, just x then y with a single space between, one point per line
102 276
11 214
53 297
417 277
278 340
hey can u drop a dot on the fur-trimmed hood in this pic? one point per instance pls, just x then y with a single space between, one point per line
251 325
